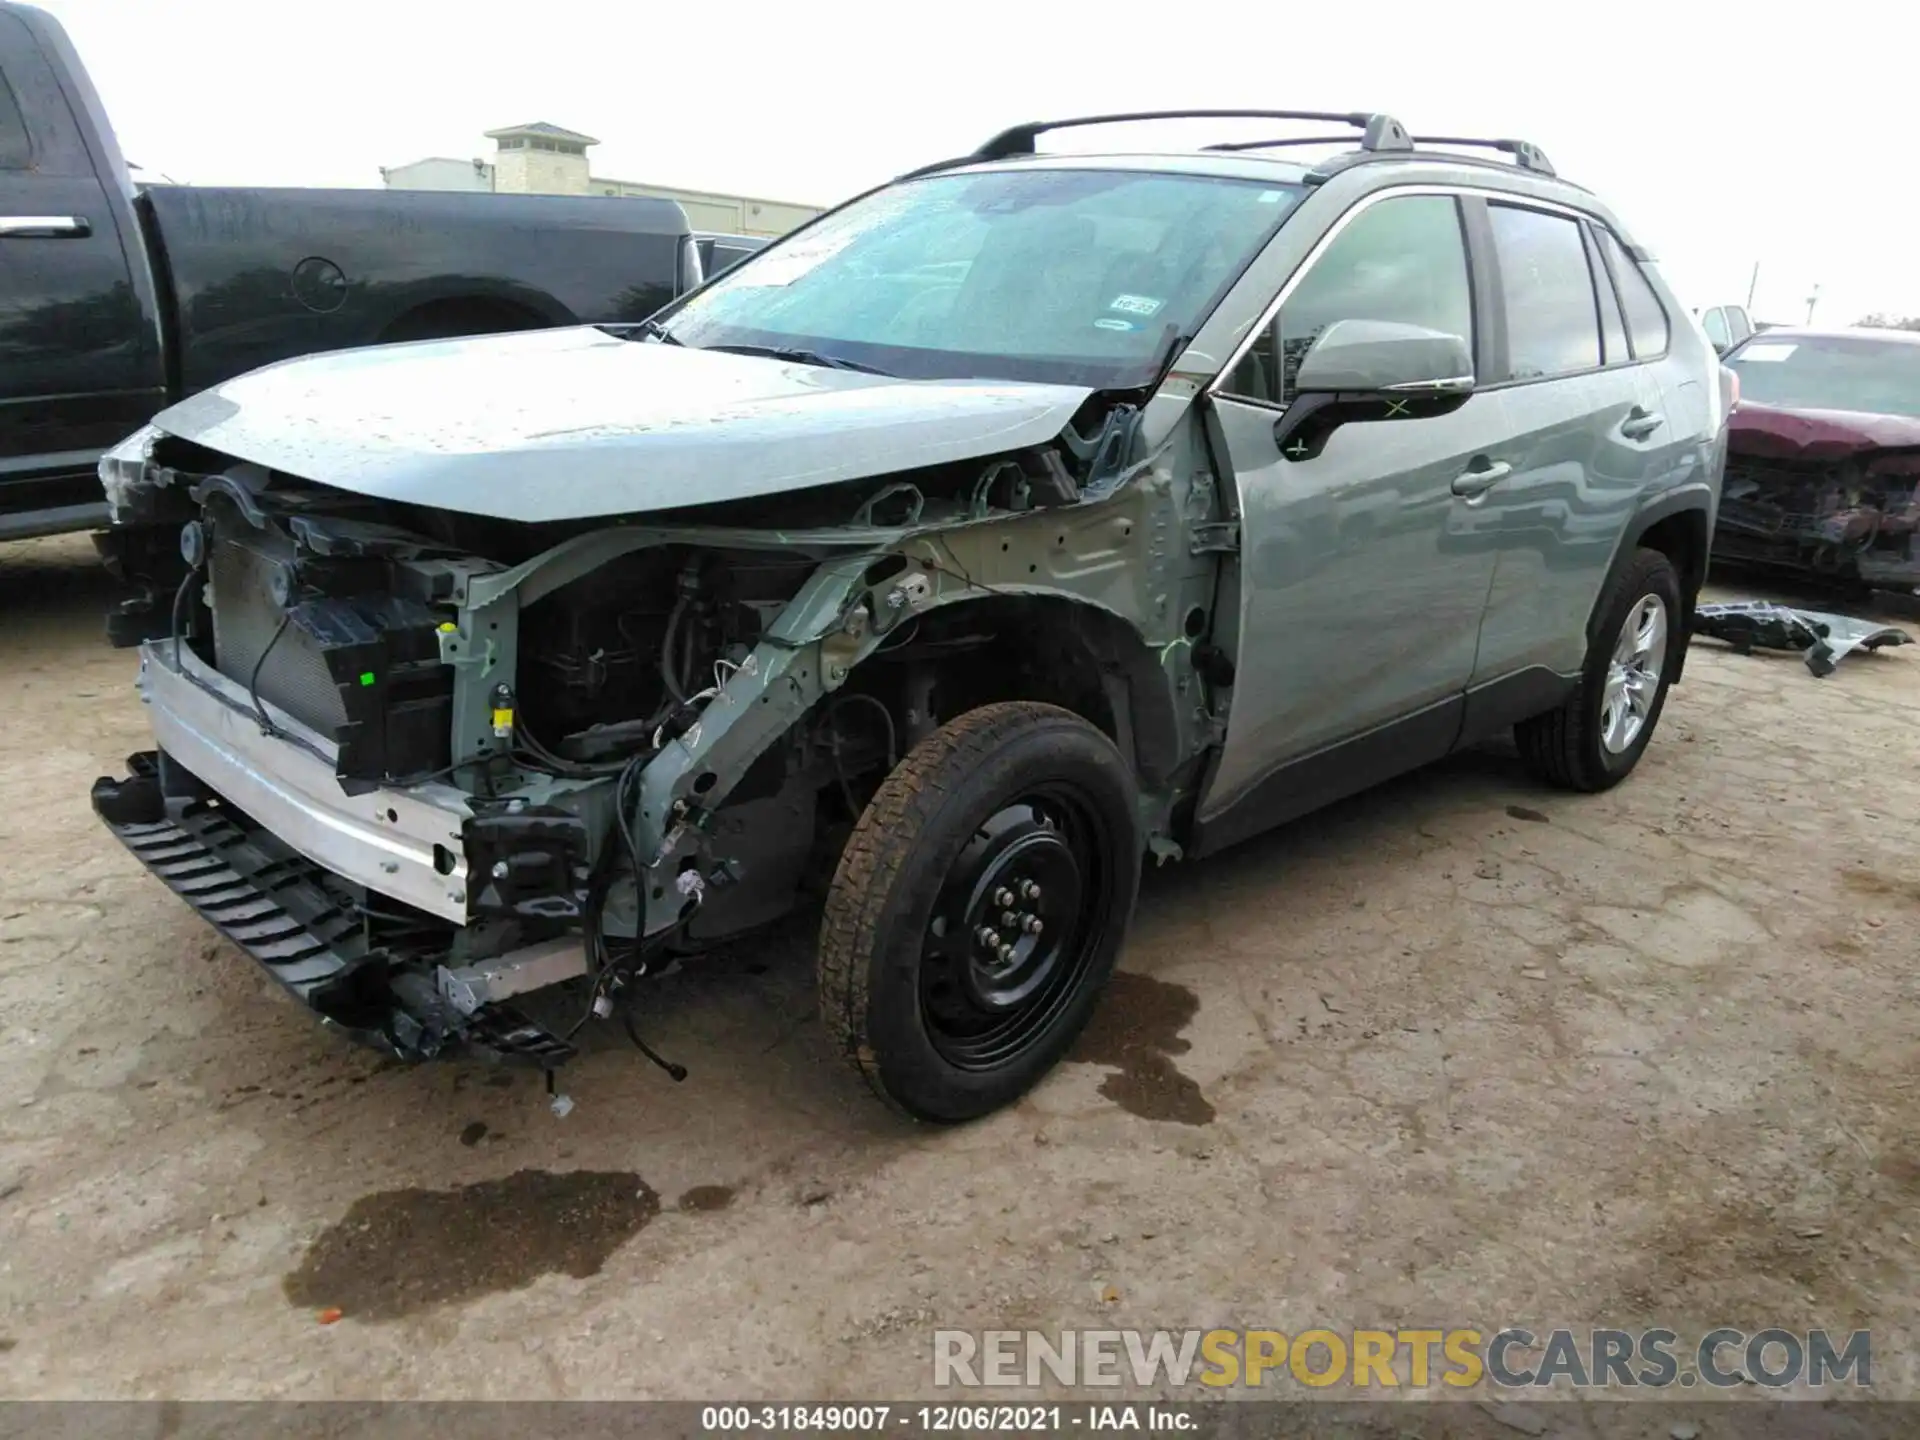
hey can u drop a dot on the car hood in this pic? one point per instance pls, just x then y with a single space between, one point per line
578 424
1782 434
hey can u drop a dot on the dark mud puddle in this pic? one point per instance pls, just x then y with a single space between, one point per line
404 1251
1136 1030
706 1197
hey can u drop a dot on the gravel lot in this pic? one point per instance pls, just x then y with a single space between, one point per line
1459 1052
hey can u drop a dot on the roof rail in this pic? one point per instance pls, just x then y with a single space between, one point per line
1378 132
1332 165
1239 145
1526 155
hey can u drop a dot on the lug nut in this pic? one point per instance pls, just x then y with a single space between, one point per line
987 936
1029 891
1003 897
1033 925
1009 920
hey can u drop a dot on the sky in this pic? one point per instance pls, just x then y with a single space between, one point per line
1724 136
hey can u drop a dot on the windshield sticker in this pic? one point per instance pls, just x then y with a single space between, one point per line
1135 304
1773 352
1107 323
1271 197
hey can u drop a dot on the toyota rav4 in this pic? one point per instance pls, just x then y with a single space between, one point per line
1028 516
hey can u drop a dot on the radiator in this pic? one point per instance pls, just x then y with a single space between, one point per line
246 621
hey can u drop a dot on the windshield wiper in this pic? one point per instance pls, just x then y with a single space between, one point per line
658 332
799 357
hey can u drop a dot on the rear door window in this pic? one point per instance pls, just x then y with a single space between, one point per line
16 151
1553 322
37 130
1714 322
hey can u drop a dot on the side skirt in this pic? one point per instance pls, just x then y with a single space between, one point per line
1498 705
1346 768
1307 784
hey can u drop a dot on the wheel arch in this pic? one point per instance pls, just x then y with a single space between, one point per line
1679 525
1061 650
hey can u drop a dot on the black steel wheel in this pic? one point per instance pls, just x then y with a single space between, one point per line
978 909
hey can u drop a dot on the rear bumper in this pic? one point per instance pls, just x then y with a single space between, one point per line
304 926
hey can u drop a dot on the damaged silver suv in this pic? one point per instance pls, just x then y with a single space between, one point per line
1027 516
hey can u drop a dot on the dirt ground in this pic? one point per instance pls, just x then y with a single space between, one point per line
1458 1052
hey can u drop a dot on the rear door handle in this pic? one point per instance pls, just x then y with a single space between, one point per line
45 227
1640 423
1472 483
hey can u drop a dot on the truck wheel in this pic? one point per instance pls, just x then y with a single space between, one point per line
978 909
1593 741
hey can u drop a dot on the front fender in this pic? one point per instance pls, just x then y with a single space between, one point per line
1116 558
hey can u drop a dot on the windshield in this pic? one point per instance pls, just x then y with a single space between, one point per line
1831 372
1080 277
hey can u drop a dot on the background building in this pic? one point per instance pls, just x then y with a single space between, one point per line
543 159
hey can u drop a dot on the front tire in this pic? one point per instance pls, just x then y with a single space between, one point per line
1593 741
979 908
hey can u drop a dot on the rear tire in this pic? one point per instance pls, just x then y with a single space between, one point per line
1593 741
978 909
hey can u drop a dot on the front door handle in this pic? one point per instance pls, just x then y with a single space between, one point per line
1471 484
45 227
1640 423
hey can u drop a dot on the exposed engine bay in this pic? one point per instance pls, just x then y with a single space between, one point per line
461 783
1852 520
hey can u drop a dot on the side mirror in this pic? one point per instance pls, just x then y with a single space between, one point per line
1380 357
1372 370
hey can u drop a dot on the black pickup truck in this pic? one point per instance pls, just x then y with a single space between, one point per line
116 299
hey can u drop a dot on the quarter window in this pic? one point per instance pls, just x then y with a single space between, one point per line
1646 318
1402 259
1714 322
1613 326
1547 290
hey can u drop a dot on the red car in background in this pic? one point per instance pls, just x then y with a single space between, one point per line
1823 463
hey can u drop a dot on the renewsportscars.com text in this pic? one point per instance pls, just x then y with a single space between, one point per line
1375 1360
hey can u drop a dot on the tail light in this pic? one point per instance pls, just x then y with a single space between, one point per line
1730 387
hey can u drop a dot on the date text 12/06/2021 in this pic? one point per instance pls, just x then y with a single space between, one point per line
943 1419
